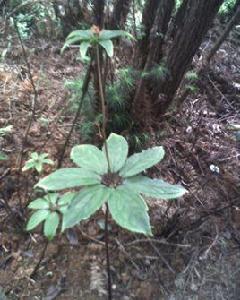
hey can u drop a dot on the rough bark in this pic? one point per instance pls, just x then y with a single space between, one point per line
179 18
119 14
73 14
148 17
199 15
159 30
98 11
156 41
234 21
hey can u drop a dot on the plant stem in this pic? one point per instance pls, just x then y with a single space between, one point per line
42 255
107 255
33 110
77 115
102 98
101 93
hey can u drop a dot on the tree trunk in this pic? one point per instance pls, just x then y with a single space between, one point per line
156 40
72 14
199 15
179 18
98 11
119 15
148 17
235 19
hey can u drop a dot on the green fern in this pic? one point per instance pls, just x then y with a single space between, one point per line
191 76
157 72
88 127
117 96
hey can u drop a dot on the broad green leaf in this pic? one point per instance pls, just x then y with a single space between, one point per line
117 151
129 210
108 46
155 188
30 164
42 156
112 34
77 36
51 225
72 41
84 48
48 161
90 158
86 203
34 155
40 203
3 156
65 201
81 34
141 161
39 166
68 178
52 198
36 218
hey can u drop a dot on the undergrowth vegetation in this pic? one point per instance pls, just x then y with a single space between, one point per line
80 132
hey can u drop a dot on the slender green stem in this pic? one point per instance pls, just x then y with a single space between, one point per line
104 113
42 255
77 115
107 255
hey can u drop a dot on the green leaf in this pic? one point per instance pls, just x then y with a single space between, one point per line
39 166
108 46
112 34
81 34
86 203
90 158
3 156
2 294
129 210
141 161
51 225
65 201
36 218
30 164
84 48
52 198
6 130
48 161
117 151
77 36
68 178
42 156
34 155
40 203
155 188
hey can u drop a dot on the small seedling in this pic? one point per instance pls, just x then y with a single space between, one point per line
5 130
37 161
48 210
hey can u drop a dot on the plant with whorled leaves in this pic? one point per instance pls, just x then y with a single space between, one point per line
37 161
121 186
92 37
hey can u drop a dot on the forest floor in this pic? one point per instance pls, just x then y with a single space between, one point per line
195 250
